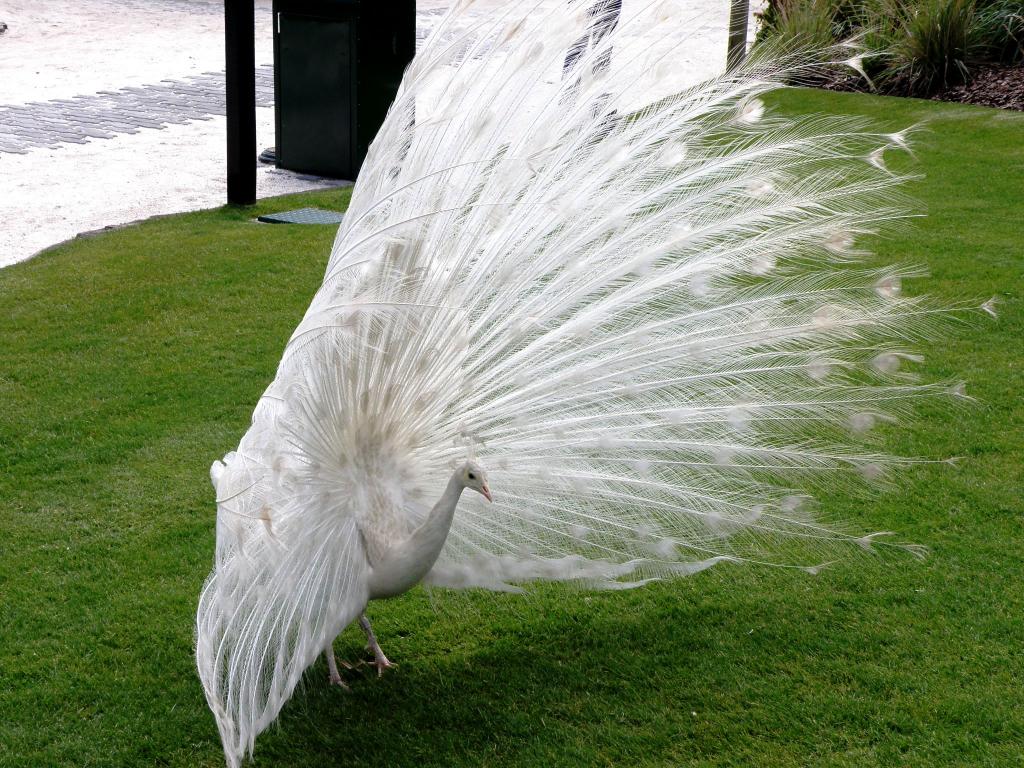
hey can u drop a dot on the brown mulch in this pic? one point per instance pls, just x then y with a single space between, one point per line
993 86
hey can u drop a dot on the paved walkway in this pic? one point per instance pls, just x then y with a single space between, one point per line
113 110
105 114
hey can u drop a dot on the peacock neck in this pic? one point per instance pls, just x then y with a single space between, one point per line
402 567
430 536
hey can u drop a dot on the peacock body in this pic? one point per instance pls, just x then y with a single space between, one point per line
622 302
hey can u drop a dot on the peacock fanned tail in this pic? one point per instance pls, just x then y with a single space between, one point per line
634 298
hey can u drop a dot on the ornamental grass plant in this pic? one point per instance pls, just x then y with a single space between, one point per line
913 47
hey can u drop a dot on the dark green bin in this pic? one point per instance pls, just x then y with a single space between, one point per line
337 66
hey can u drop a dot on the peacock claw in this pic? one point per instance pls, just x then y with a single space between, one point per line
380 663
336 680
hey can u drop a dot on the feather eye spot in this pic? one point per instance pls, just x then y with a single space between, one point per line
673 154
827 316
899 139
839 242
738 419
889 363
663 548
862 422
580 484
700 284
871 471
856 63
528 326
723 456
642 265
763 264
750 111
759 187
888 287
819 369
791 503
886 362
867 542
681 228
678 416
876 158
643 531
579 532
642 467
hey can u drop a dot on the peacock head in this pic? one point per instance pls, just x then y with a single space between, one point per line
474 477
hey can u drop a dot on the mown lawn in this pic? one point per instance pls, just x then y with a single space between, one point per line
129 361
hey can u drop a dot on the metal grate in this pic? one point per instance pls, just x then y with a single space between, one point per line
303 216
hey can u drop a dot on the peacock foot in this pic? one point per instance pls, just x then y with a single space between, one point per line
380 661
335 679
333 676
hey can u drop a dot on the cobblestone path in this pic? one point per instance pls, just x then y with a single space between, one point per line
106 114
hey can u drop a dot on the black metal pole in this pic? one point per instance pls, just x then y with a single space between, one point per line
240 87
739 12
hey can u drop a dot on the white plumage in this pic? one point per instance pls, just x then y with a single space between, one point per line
620 294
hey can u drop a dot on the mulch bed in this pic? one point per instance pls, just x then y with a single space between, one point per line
993 86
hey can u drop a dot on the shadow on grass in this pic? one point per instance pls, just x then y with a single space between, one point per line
583 682
658 676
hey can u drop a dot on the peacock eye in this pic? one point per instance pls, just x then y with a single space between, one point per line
472 476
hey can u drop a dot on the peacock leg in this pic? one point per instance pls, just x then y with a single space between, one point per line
380 661
332 667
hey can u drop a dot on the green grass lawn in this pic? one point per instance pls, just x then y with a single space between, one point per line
130 361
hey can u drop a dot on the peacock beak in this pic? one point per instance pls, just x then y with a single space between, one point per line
486 492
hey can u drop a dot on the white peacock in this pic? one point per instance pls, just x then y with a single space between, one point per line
637 329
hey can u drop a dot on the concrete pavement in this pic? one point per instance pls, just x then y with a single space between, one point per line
112 111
